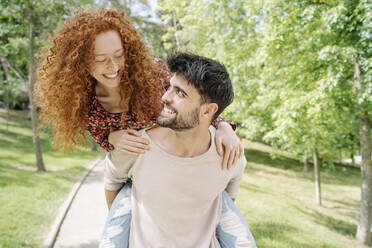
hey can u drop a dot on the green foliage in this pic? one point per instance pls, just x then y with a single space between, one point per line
18 19
311 57
150 30
14 92
291 63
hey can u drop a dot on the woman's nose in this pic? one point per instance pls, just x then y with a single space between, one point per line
112 65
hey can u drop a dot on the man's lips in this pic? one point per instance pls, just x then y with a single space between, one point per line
167 111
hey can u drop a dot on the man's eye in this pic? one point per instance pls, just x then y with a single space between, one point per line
180 93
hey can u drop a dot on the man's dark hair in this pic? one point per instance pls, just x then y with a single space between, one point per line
208 76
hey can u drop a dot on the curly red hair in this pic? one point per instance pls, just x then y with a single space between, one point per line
65 87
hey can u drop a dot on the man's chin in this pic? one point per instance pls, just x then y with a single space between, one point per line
165 122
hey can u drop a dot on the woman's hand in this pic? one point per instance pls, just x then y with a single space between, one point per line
129 142
228 145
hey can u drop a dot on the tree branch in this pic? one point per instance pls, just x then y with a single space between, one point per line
18 74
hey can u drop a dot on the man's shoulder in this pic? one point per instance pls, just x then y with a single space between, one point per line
152 130
153 133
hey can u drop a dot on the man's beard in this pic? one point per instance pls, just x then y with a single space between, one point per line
180 121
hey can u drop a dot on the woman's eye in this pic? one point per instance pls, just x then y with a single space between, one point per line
119 55
100 60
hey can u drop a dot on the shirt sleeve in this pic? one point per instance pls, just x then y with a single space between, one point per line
233 186
100 136
117 167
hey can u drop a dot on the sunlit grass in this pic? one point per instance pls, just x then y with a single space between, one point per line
29 200
277 200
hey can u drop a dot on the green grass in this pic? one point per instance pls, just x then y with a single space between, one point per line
277 199
29 200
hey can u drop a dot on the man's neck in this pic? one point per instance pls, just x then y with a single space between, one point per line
189 143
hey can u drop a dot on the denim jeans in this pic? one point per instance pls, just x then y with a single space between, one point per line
232 231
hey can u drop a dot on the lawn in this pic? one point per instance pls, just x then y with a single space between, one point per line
29 200
277 200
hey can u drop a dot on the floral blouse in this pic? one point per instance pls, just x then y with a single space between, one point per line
101 122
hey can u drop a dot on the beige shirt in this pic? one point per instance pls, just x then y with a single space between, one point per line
176 201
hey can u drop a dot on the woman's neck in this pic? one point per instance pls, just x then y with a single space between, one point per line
109 98
102 91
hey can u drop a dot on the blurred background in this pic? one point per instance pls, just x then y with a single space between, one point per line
302 78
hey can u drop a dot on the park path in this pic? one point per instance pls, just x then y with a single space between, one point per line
83 224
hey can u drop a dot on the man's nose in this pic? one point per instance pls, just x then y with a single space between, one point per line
167 97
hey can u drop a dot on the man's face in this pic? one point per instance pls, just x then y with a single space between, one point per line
181 105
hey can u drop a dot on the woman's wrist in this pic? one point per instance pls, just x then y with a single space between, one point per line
224 125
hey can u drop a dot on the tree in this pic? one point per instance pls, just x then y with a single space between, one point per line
365 216
32 80
317 46
25 25
350 25
294 66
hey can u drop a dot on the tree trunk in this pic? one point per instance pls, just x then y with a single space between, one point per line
365 216
353 159
340 156
352 151
306 165
175 29
6 89
93 144
34 113
317 177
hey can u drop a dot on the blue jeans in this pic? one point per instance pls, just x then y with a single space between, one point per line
232 231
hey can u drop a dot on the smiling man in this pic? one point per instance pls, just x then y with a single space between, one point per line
178 196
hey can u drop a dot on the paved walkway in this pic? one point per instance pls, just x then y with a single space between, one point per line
84 221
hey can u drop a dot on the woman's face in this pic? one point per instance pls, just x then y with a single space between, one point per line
108 64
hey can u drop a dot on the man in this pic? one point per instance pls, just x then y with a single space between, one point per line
177 197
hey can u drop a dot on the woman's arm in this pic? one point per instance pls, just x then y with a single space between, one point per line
110 196
227 142
129 142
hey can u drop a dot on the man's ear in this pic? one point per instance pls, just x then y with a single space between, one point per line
209 109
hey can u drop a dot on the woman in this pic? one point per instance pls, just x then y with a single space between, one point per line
75 99
99 76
